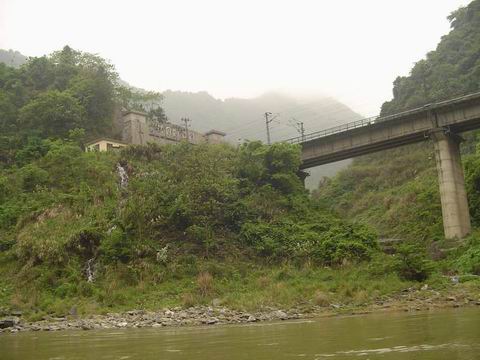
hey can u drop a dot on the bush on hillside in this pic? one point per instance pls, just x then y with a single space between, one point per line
468 262
116 246
412 262
332 243
203 200
472 183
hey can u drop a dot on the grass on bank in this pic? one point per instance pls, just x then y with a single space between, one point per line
237 285
243 232
190 281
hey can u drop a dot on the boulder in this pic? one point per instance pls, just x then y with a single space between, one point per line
6 323
282 315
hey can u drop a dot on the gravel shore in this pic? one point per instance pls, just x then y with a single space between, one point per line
407 300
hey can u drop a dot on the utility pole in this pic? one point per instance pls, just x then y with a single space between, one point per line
267 123
302 130
298 125
186 121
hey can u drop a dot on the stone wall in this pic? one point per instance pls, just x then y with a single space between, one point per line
138 130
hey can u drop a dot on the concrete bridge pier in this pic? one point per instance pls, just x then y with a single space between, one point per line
453 196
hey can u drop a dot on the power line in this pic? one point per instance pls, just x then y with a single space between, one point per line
316 111
241 127
282 129
321 113
297 125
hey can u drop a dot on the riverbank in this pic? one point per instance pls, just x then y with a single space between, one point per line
410 300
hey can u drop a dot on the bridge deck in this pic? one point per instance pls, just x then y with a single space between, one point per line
379 133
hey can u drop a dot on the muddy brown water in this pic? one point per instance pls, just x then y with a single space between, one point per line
449 334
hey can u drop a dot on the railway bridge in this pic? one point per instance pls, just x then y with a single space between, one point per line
440 122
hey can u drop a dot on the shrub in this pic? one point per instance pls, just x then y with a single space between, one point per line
34 149
50 236
346 243
329 243
117 247
469 261
32 176
268 240
202 235
412 262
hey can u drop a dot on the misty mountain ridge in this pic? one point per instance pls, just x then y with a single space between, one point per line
245 118
12 58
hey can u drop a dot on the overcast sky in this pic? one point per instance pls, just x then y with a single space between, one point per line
349 49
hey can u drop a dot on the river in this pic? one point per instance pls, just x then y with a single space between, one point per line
450 334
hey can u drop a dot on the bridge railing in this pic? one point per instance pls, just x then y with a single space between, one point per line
373 119
333 130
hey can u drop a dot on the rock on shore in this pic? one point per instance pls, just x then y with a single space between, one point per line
200 315
411 299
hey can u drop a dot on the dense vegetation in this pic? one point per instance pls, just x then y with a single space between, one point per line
152 226
183 207
453 69
396 191
72 232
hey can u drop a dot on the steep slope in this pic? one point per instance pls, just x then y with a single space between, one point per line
453 69
397 191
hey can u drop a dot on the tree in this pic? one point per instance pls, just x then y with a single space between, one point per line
157 114
39 73
453 69
140 100
52 113
8 112
80 86
66 66
95 94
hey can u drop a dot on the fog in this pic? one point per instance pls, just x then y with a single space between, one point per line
351 50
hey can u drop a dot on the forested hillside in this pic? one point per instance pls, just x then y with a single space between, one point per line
136 228
396 191
182 225
453 69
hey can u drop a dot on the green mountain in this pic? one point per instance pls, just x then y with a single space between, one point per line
75 226
396 191
180 225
